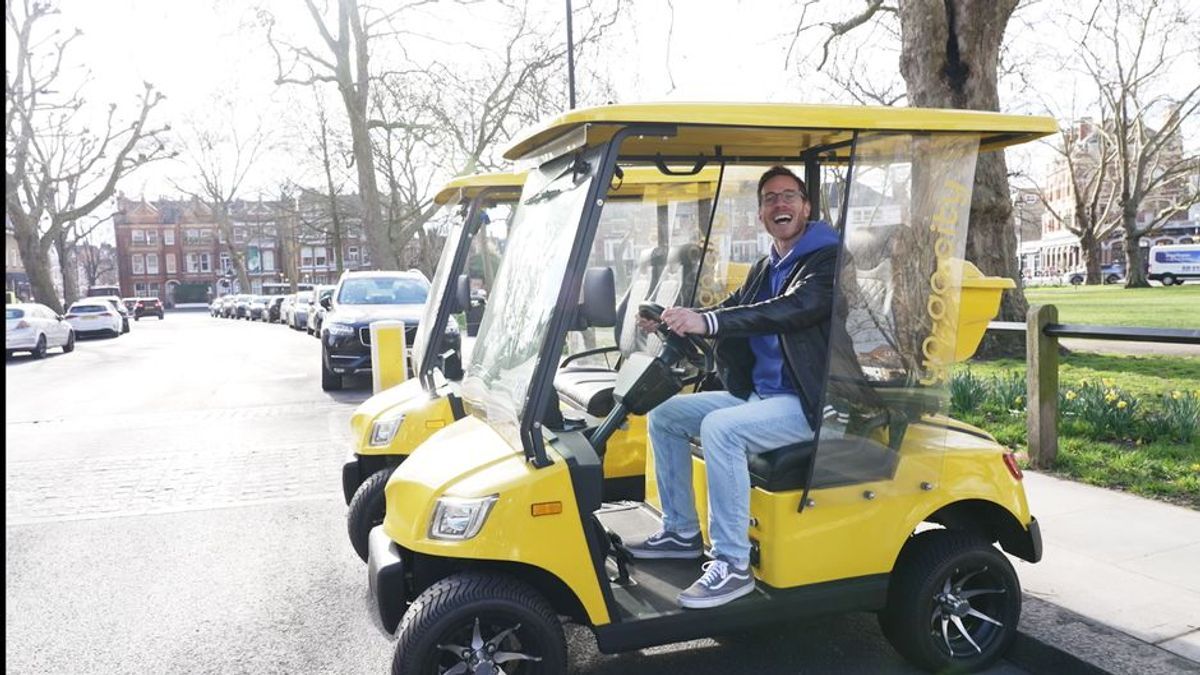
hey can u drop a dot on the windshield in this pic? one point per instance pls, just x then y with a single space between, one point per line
525 296
448 223
383 291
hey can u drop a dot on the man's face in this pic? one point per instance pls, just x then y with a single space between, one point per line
784 220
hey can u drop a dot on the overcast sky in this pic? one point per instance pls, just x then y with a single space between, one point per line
203 52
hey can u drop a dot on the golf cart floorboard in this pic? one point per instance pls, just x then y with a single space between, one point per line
648 612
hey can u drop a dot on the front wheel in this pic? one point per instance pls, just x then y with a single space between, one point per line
953 603
367 508
1169 280
330 381
478 622
70 344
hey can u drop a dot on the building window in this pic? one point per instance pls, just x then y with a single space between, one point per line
199 262
206 236
170 262
169 237
352 254
152 262
321 253
221 236
139 236
192 237
140 290
306 257
226 262
139 264
268 260
205 262
239 236
152 237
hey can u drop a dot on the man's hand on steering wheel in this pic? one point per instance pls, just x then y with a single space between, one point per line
684 321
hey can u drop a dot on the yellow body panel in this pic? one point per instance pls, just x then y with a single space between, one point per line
844 534
389 363
469 459
979 303
625 454
769 129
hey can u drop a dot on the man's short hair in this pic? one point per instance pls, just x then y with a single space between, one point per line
779 170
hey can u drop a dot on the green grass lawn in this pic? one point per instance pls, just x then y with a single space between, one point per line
1159 307
1168 470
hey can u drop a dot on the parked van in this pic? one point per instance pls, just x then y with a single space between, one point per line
1174 264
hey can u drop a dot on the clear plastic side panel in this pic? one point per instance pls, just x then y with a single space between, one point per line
895 315
653 244
447 224
738 238
483 263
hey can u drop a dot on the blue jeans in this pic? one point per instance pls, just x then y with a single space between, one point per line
730 429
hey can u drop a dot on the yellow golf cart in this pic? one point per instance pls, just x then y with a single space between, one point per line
497 526
390 425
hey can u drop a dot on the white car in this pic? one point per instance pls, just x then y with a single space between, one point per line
30 327
89 317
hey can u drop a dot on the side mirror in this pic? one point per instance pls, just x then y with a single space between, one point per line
327 302
599 303
462 294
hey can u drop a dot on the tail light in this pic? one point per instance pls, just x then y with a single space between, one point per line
71 316
1010 460
22 324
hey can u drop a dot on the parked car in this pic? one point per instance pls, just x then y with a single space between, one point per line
214 307
94 316
130 305
228 305
316 313
1109 274
286 308
119 305
274 305
34 328
299 317
148 307
359 299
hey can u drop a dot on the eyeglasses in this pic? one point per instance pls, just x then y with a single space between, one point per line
788 196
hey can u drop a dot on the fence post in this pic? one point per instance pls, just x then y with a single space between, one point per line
1041 359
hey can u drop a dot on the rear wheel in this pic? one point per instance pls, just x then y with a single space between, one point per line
367 507
954 602
124 325
330 381
480 623
70 345
39 349
1169 280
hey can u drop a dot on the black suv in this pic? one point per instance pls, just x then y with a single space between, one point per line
147 307
359 299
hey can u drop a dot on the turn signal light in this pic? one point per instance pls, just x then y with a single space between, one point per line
546 509
1010 460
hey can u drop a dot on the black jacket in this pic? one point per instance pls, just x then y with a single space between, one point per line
800 315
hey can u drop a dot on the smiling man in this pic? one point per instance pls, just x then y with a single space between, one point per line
772 338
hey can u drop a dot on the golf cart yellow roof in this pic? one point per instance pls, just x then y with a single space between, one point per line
767 131
634 183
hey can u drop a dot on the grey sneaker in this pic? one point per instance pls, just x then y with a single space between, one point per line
664 544
720 583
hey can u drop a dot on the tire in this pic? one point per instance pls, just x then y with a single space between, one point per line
451 610
70 345
1076 280
1111 279
124 325
39 349
963 562
1169 280
330 381
367 507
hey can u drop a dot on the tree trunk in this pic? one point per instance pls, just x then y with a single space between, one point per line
950 51
221 211
1135 265
66 268
36 261
1089 249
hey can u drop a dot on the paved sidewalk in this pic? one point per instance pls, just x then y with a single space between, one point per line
1123 561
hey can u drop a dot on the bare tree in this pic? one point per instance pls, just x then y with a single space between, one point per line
220 162
1133 50
97 262
1085 159
949 58
57 168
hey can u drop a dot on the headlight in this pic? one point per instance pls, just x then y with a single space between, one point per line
459 518
384 430
339 329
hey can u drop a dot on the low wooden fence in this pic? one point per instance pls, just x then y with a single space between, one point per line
1042 333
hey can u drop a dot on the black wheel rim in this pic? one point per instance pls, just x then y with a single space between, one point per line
486 645
970 611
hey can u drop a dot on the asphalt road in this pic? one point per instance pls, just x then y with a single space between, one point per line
173 505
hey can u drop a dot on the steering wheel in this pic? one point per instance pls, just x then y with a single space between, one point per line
677 347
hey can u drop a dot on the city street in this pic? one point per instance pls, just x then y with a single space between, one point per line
173 506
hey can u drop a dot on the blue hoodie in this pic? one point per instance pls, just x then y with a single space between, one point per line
769 378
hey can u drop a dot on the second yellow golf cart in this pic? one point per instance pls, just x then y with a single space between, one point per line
496 526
